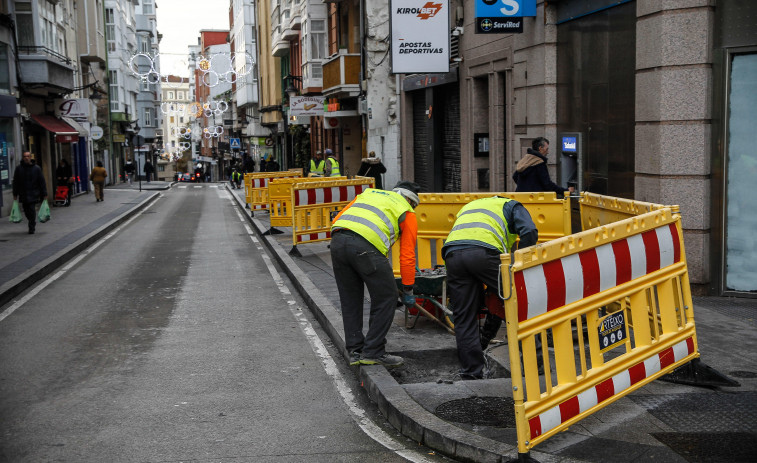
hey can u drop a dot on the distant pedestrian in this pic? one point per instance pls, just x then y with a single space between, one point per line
263 165
29 188
331 166
531 174
64 176
97 177
129 170
372 167
149 169
272 165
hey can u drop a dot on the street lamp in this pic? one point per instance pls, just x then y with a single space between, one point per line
134 153
291 92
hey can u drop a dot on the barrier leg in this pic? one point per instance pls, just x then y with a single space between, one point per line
272 231
295 252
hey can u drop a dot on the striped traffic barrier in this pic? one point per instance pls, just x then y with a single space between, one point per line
280 198
314 204
258 189
555 290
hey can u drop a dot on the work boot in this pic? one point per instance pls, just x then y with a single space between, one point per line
385 359
354 358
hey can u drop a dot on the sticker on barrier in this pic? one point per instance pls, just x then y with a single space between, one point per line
612 308
314 202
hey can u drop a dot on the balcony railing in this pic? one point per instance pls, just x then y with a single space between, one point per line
29 50
341 74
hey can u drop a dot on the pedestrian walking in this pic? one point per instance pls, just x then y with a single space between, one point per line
484 229
531 172
331 166
97 177
29 188
148 169
361 237
129 170
372 167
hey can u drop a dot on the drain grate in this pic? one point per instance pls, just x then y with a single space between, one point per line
496 412
709 447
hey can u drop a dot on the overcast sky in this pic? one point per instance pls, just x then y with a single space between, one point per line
180 22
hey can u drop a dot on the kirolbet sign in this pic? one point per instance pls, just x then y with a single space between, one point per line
420 36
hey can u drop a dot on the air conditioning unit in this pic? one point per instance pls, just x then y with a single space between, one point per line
362 106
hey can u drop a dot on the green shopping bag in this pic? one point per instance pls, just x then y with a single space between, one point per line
44 212
15 213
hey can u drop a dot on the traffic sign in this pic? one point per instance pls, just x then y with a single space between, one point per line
235 144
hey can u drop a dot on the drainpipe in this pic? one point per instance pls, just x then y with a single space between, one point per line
110 115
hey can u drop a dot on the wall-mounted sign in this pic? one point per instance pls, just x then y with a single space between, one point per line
502 16
306 106
119 138
569 144
96 132
420 36
75 108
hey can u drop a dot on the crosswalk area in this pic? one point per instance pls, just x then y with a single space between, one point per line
199 186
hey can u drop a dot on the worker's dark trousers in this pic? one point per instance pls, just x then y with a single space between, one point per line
357 262
467 270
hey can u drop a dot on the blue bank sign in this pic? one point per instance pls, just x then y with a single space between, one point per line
502 16
569 144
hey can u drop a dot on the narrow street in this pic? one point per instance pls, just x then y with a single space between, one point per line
175 339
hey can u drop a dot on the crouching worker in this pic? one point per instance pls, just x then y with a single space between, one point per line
361 237
484 229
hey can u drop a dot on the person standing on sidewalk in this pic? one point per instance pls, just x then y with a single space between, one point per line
129 169
484 229
149 169
531 172
361 237
331 166
372 167
29 188
98 176
316 164
64 176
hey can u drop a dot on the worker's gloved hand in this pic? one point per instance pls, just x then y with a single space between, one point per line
407 296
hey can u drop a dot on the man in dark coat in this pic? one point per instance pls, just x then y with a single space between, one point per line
531 172
29 188
149 169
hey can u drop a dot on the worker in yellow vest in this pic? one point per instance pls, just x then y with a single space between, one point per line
316 164
484 229
331 168
361 237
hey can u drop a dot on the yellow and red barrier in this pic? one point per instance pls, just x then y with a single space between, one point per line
257 191
314 202
280 198
638 267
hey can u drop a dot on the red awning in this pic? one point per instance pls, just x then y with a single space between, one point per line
64 133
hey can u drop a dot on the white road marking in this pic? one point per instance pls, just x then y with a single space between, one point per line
45 283
357 413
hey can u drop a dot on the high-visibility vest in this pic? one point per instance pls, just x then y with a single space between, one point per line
375 216
482 220
334 167
316 169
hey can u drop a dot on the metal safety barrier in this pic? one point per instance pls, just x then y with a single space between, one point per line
280 198
313 204
258 187
437 212
612 308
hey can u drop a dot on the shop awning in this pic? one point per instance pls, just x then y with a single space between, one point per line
64 133
76 125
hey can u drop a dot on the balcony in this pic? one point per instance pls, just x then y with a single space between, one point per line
46 70
312 77
341 75
297 14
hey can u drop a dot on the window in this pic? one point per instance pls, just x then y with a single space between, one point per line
170 95
110 29
148 117
318 39
24 24
144 45
181 120
145 86
115 104
48 26
179 95
147 7
172 119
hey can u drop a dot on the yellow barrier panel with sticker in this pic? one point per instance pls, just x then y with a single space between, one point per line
437 212
248 189
280 198
314 202
598 210
258 189
559 291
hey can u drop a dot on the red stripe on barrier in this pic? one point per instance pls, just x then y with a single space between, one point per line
312 196
343 194
605 390
535 425
327 195
652 249
522 294
637 373
590 266
622 262
569 409
553 273
667 358
676 243
690 345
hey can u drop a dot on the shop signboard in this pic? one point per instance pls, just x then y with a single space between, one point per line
502 16
420 36
306 106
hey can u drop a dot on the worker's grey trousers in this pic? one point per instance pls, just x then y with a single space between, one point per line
357 262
